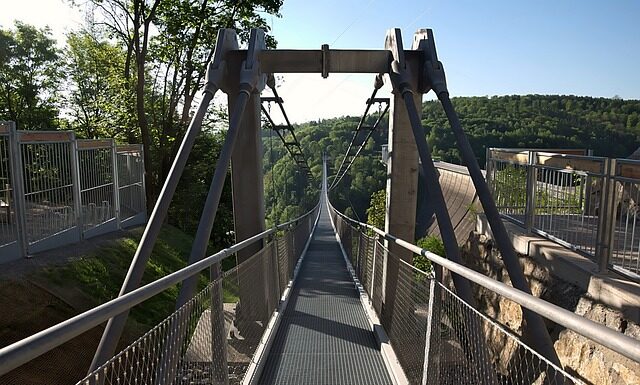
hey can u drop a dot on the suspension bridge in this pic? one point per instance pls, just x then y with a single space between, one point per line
323 298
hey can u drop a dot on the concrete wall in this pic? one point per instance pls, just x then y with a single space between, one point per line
461 200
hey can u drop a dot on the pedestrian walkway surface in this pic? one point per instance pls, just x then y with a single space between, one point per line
324 337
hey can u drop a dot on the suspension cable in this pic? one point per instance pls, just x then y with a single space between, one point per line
342 171
293 146
376 86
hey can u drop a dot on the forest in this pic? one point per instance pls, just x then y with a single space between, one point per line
134 72
608 126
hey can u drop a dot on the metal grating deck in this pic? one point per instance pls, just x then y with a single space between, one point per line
324 337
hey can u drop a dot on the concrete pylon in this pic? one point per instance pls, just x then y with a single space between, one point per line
402 180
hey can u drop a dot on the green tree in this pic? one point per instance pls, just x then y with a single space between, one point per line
376 212
29 77
167 44
97 91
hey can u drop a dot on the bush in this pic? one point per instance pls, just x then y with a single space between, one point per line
430 243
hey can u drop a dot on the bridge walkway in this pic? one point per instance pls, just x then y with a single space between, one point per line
324 336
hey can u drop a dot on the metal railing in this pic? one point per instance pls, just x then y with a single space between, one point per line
57 190
587 203
210 339
434 332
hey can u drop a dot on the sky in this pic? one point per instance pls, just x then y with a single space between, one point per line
589 48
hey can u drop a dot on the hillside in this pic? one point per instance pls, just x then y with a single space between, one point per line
45 295
609 127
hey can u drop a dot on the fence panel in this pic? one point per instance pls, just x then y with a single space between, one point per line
625 253
97 187
508 176
50 200
212 339
586 203
56 190
131 185
567 201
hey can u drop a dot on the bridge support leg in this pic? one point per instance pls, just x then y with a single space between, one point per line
402 194
248 209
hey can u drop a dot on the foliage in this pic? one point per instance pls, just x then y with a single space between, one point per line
430 243
609 127
376 212
29 77
560 195
510 188
97 89
99 274
289 194
186 206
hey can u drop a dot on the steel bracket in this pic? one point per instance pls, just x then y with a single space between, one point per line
432 76
216 77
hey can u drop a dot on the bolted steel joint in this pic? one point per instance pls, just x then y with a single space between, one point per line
249 77
434 76
400 78
214 77
378 82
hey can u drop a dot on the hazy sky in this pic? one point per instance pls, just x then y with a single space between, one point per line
487 47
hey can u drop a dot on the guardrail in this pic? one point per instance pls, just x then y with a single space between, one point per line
433 334
587 203
229 314
56 189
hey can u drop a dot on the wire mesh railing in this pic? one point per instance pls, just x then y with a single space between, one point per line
437 337
213 338
56 190
589 204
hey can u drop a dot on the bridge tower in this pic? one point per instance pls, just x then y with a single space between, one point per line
402 174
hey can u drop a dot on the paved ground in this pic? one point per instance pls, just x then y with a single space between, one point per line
324 336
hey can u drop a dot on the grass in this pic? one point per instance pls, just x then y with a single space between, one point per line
99 275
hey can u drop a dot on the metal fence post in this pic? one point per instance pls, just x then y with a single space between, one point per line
586 206
17 182
431 365
373 268
530 203
116 183
606 215
218 330
75 181
488 168
143 184
276 261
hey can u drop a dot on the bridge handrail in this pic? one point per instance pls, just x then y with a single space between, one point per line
620 343
23 351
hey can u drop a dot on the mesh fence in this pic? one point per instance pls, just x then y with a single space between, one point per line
56 190
213 337
457 347
425 319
